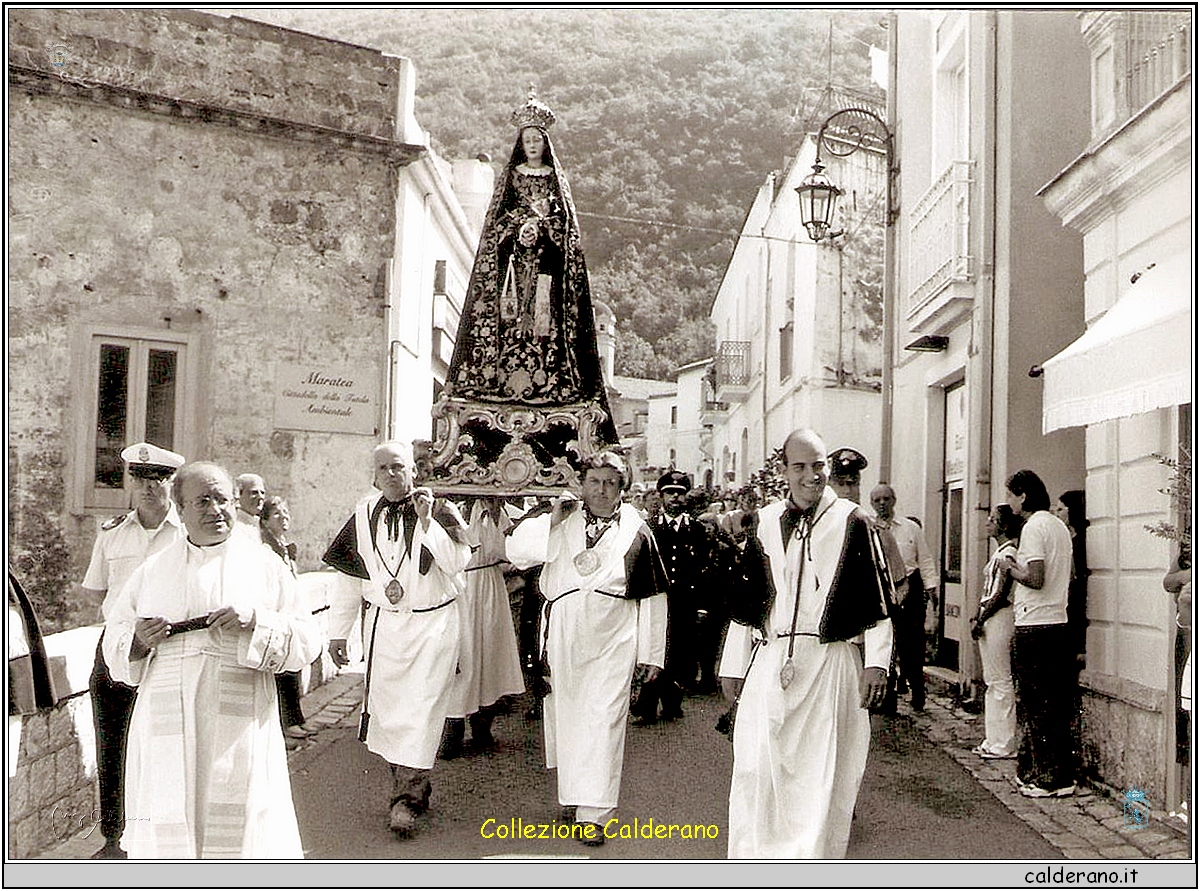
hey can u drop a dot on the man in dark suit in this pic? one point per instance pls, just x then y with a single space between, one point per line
683 543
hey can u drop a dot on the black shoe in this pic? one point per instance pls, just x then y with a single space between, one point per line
672 715
452 739
644 720
402 819
596 839
483 742
111 851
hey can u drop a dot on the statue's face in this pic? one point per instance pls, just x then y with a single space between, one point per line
534 144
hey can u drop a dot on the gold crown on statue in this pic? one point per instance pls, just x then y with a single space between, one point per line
534 113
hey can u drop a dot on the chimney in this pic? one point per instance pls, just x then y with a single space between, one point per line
473 180
606 343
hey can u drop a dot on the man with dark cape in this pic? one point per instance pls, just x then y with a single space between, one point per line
404 557
606 613
815 581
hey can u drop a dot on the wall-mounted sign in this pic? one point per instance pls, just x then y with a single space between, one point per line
324 397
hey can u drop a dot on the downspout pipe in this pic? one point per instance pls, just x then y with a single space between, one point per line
889 263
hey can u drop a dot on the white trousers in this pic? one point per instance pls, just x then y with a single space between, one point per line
999 703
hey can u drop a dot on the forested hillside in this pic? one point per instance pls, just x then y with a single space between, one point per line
671 116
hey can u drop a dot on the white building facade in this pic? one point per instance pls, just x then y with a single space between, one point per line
798 323
1128 380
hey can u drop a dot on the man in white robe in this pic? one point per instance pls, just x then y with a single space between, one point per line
489 665
815 580
200 629
404 557
606 612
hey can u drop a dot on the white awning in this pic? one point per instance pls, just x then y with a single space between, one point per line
1135 358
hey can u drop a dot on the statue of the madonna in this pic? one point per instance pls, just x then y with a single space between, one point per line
527 335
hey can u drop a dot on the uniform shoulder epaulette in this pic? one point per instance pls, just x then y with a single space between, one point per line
113 522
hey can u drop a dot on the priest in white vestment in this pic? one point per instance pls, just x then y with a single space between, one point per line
816 582
200 629
403 556
606 613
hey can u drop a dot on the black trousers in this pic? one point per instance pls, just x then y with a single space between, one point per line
908 621
287 685
112 707
709 631
1043 673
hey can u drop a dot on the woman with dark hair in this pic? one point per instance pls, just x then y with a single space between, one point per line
1043 661
993 628
1070 509
274 522
527 333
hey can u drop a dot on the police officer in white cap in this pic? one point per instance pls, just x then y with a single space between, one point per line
122 545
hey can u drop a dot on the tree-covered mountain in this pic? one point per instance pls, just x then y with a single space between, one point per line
673 116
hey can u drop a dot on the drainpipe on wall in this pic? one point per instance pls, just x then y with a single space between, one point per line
981 367
889 264
766 349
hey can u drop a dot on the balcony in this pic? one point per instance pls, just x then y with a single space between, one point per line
1136 57
941 270
733 370
713 412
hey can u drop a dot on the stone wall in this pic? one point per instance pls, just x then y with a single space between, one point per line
53 794
226 63
188 173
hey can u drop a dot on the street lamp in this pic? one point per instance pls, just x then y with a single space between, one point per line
818 199
842 134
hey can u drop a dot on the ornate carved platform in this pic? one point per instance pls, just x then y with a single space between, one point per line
508 450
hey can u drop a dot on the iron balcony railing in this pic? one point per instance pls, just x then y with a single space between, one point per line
733 363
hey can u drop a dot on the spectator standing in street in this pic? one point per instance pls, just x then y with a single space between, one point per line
992 626
814 581
275 521
251 492
1071 510
201 628
921 587
605 615
1043 658
122 545
404 557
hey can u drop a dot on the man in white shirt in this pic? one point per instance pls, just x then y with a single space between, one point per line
1042 653
402 555
251 495
921 587
122 545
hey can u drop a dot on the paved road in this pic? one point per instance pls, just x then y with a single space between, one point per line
916 803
